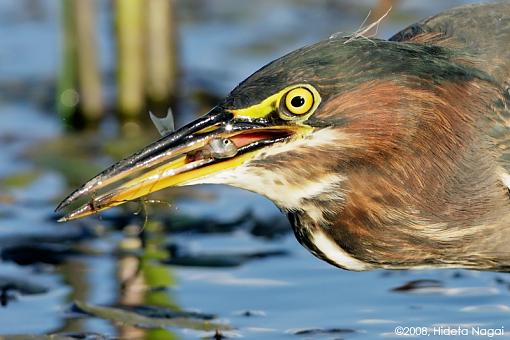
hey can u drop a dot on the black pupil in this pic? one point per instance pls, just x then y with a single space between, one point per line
297 101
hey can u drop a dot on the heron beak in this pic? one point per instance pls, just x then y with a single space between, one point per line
217 141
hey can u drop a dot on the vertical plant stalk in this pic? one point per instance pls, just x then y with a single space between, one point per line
130 49
89 76
67 95
161 63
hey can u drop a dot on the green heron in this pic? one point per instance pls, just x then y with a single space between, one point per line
383 153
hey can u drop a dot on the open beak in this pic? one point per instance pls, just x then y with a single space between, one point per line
217 141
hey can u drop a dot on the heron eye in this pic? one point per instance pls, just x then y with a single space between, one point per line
299 101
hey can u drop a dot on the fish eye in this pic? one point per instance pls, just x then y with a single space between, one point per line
299 101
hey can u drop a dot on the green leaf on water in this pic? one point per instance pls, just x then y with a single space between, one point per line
19 180
139 320
156 275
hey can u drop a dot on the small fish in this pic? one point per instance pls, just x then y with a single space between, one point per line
222 148
164 125
217 148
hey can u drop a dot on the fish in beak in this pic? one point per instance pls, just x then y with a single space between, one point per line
215 142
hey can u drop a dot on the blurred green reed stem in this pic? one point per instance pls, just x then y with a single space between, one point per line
130 53
79 93
89 77
67 94
161 59
145 36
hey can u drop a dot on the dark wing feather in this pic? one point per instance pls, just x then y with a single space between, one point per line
482 31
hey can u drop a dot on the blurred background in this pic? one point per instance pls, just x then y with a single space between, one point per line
77 80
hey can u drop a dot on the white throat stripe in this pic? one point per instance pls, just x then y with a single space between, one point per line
336 254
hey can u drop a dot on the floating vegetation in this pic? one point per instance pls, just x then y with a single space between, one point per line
418 285
10 287
146 318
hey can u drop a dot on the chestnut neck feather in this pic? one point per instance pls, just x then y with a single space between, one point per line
423 185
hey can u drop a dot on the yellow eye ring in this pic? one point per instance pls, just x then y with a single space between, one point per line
299 101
